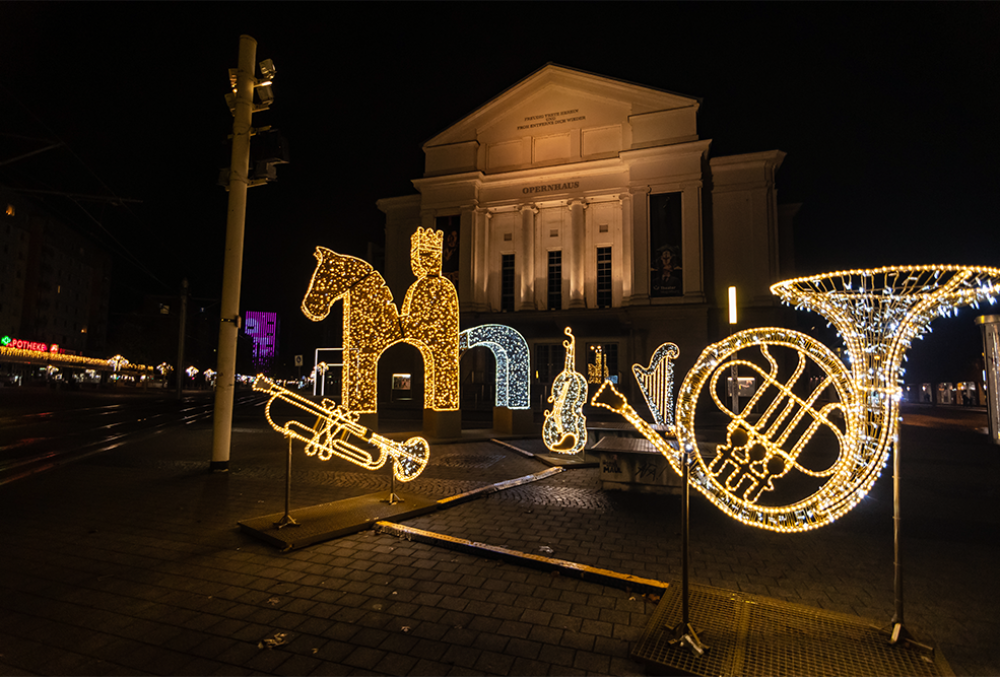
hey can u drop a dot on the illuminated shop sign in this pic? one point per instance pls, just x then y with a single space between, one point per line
21 344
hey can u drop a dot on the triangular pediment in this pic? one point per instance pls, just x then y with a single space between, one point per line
560 113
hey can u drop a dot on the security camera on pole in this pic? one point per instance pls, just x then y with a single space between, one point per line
242 106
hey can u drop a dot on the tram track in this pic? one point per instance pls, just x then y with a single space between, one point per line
32 442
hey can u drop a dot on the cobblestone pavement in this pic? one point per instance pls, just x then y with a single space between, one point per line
130 562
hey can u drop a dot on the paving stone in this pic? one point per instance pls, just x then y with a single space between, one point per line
831 568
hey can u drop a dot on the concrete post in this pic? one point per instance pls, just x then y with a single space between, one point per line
233 264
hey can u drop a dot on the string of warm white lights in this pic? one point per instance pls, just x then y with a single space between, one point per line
67 360
428 320
878 313
510 353
565 428
337 433
597 371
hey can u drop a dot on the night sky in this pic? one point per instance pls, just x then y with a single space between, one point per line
888 113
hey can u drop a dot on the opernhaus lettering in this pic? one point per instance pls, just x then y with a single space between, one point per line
550 187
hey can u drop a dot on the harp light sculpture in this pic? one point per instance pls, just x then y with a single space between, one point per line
878 313
657 383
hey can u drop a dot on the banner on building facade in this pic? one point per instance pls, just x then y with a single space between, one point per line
665 245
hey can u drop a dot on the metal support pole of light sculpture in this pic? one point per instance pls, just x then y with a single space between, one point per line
656 384
287 520
735 375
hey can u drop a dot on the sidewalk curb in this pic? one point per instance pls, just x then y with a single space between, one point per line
606 577
498 486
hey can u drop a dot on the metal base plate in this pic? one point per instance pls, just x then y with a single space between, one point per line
755 635
327 521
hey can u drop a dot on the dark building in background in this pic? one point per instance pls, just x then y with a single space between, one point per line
55 283
262 328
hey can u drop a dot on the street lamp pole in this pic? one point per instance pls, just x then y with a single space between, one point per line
734 371
233 266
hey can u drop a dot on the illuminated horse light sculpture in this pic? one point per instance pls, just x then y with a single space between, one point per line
428 320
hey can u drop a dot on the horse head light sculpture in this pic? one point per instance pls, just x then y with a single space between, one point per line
428 320
878 313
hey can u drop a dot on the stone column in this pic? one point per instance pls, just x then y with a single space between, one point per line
627 256
640 245
577 253
466 242
525 259
480 259
693 256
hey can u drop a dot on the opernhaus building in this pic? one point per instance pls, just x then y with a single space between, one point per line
577 200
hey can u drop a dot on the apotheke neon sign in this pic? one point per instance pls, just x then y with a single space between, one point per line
20 344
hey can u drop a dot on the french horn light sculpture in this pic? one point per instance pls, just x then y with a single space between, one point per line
878 313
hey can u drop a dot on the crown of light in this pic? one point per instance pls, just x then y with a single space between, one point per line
427 239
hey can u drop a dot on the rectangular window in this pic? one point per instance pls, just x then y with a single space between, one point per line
665 245
452 226
555 281
507 283
604 277
602 362
550 359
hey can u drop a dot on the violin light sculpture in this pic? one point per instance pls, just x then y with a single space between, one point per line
565 427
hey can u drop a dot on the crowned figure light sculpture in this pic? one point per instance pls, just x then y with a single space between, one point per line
428 320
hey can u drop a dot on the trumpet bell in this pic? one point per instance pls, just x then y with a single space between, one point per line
411 460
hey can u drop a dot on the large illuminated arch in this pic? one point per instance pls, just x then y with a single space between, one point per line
510 352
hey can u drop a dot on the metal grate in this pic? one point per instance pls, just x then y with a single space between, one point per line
754 635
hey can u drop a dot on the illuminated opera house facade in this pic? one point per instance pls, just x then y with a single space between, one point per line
573 199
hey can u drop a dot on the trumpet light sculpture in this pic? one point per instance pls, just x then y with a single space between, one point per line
336 432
